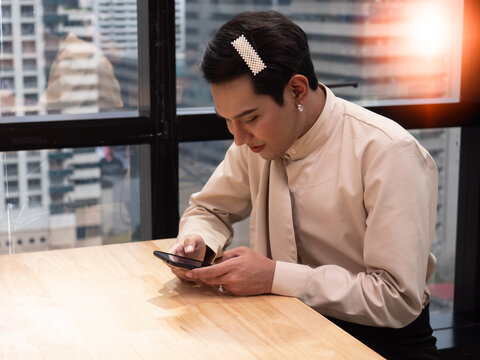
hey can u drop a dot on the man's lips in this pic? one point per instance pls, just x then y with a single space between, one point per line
256 149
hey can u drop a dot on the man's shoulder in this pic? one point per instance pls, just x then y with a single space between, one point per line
371 126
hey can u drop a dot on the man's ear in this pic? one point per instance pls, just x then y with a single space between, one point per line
298 84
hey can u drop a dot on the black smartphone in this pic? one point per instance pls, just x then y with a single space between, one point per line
180 261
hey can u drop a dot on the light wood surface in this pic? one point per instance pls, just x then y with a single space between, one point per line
121 302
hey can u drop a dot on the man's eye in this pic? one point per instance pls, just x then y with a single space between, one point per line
251 120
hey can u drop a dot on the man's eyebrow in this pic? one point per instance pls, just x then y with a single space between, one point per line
245 113
242 114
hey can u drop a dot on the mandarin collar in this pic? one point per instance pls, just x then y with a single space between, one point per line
317 135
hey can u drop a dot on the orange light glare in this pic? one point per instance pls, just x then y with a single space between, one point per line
430 29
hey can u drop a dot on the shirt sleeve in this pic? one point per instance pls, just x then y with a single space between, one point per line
400 199
224 200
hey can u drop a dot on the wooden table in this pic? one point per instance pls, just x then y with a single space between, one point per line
121 302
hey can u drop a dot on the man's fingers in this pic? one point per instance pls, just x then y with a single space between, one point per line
189 246
180 273
227 255
230 254
193 246
177 249
210 275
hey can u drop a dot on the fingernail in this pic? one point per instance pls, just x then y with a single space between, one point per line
189 248
188 274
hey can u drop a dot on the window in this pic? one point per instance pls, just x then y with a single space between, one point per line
6 65
6 11
6 29
31 99
28 29
32 154
29 65
12 203
10 170
35 201
444 146
34 184
197 161
85 232
393 52
8 83
29 82
33 167
69 110
27 11
11 187
99 202
87 71
7 47
28 47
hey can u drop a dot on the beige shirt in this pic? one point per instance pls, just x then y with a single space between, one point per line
348 213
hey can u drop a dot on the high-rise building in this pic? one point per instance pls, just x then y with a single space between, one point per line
51 198
116 26
22 58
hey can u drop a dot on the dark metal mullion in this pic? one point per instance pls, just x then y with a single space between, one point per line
467 262
467 258
470 75
164 147
428 116
203 127
75 133
144 153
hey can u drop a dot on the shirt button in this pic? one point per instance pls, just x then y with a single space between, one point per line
293 188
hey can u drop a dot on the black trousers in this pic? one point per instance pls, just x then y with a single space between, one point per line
414 341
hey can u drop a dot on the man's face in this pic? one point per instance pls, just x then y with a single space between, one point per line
257 120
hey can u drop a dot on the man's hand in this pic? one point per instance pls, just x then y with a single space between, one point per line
192 246
242 272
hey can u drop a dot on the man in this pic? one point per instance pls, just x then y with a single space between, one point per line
342 201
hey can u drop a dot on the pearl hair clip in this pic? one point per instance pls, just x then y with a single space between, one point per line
248 54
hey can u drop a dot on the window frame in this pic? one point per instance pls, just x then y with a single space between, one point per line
159 125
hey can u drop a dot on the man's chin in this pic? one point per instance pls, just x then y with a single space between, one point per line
267 156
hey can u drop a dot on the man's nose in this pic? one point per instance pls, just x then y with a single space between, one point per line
240 135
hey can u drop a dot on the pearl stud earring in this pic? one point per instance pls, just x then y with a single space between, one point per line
300 107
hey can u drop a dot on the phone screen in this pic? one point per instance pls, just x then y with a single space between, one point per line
180 261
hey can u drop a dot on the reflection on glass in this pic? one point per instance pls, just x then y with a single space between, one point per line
77 57
69 198
197 160
395 51
444 146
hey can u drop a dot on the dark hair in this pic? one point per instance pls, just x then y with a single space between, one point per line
281 44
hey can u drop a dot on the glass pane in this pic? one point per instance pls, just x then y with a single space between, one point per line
444 146
197 161
64 198
397 52
70 57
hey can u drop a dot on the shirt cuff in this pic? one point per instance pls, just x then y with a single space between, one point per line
290 279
